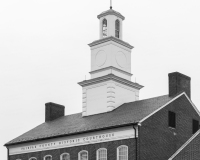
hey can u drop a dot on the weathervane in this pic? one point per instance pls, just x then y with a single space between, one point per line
110 4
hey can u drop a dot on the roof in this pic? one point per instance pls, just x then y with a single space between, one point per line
111 12
189 142
126 114
111 38
110 77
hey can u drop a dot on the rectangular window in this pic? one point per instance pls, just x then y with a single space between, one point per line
172 119
195 126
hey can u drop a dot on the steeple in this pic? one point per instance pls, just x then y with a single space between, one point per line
110 85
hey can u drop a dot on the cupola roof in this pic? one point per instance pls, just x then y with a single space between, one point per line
111 12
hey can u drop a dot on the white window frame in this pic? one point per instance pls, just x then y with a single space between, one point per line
100 150
64 154
47 156
106 27
79 154
118 151
32 158
117 20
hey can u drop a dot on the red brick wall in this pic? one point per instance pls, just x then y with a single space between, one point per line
157 140
91 148
191 151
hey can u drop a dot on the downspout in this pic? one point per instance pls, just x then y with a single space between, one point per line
136 148
7 153
139 125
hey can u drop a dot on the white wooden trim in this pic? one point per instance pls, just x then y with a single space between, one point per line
64 154
33 158
184 145
118 151
192 104
169 103
97 153
79 154
47 156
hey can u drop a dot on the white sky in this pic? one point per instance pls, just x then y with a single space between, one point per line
44 52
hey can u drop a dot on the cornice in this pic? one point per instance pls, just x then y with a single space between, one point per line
111 12
111 67
111 38
110 77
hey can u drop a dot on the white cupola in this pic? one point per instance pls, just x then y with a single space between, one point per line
110 23
110 85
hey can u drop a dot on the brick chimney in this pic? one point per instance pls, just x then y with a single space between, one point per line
179 82
53 111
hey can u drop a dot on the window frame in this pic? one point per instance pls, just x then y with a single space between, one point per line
171 119
47 156
79 154
64 154
106 27
118 148
98 158
32 158
117 28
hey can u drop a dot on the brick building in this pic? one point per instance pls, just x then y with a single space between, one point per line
114 124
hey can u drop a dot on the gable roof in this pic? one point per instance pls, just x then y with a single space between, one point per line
126 114
181 149
174 98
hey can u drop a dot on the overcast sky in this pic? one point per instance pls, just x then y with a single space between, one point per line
44 53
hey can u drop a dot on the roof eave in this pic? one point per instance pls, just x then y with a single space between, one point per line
110 77
111 12
70 134
111 38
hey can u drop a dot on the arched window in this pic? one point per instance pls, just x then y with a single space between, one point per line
122 153
104 28
83 155
102 154
65 156
117 28
32 158
48 157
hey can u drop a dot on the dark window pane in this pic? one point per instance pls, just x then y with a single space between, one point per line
195 126
117 28
104 28
172 119
117 34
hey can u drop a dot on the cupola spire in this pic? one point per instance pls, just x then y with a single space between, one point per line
110 4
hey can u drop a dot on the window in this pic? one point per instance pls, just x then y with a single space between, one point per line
32 158
117 28
65 156
104 28
195 126
172 119
83 155
102 154
48 157
122 153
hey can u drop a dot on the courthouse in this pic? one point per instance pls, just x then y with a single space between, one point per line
114 123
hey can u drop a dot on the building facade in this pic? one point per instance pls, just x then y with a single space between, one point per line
114 124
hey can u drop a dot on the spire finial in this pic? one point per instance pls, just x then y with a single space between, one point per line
110 4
